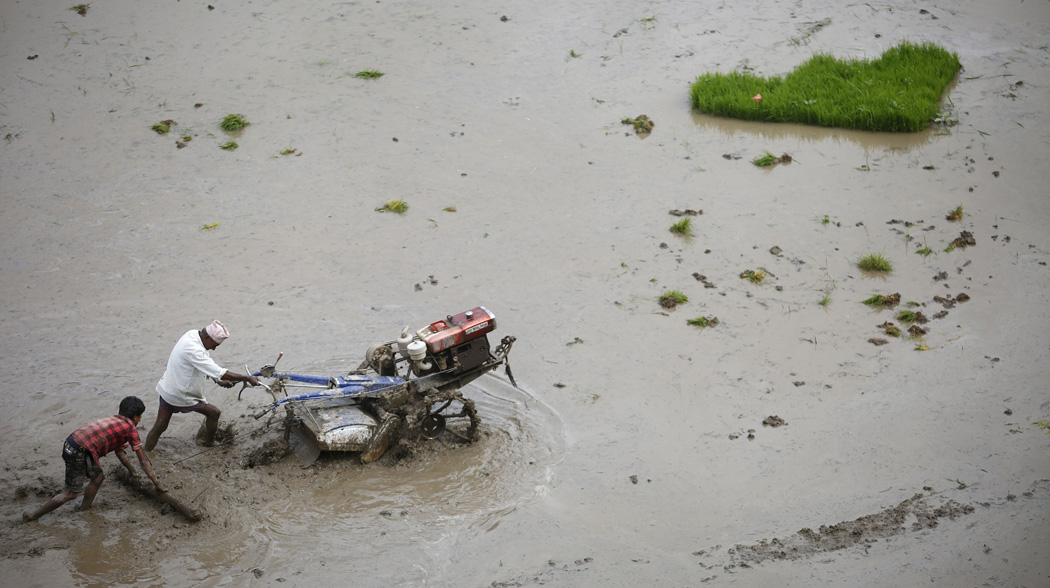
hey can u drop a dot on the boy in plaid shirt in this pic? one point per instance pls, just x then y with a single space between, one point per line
87 445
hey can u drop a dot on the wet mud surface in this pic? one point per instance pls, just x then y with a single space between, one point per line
794 435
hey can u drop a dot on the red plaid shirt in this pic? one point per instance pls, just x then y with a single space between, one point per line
105 435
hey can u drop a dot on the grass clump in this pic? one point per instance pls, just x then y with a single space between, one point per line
925 250
398 206
883 301
229 145
683 227
765 161
906 316
703 321
369 74
672 298
163 127
955 214
642 125
753 276
875 262
81 9
232 123
899 91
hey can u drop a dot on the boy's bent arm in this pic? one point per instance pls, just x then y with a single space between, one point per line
124 460
148 468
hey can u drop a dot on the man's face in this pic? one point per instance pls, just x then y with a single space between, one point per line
207 341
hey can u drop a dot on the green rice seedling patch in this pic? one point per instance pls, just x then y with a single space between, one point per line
899 91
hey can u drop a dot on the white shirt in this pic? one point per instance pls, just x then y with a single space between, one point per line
189 367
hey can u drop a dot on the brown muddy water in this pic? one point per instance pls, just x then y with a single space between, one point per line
634 451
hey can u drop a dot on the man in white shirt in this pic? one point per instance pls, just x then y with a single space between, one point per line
181 388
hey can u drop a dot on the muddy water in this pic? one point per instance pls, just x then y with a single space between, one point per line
625 457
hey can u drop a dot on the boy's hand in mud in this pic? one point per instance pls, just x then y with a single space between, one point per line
160 488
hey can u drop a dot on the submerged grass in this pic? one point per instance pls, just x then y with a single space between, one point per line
899 91
369 74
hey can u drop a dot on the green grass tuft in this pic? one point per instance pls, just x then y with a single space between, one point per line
955 214
906 316
162 128
683 227
369 74
875 262
899 91
398 206
229 145
232 123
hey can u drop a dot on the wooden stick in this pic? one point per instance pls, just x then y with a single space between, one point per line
144 486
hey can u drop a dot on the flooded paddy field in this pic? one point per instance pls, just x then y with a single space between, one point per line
798 441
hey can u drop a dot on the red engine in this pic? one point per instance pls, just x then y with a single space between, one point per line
455 330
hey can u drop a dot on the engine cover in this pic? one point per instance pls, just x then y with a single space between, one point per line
458 329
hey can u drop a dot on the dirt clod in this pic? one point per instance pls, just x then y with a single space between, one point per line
773 421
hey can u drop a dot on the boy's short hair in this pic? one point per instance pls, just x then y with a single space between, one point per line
131 407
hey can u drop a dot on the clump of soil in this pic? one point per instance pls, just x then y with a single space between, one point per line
891 329
773 421
964 240
686 212
703 280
